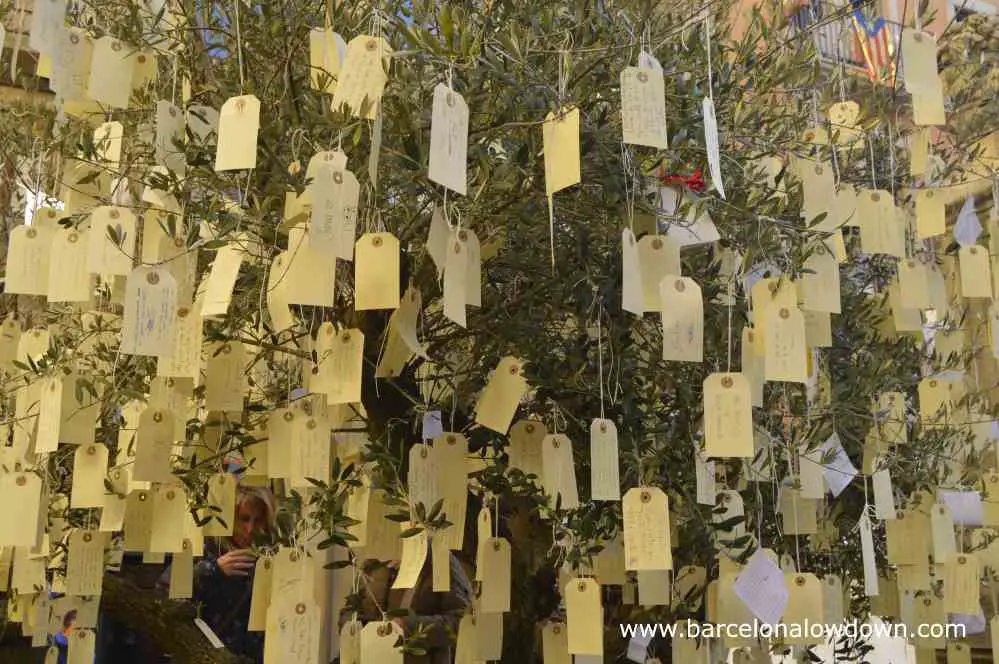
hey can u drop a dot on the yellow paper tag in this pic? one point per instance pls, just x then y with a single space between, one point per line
338 374
69 280
111 70
239 124
378 641
821 290
584 617
682 310
85 563
786 356
526 437
804 606
376 272
961 584
293 632
154 443
560 133
303 275
908 537
28 255
326 49
182 573
111 241
931 219
919 50
498 401
108 139
261 594
643 107
728 416
646 529
976 274
558 470
363 76
222 495
658 257
138 523
170 516
225 377
555 644
495 595
82 643
605 483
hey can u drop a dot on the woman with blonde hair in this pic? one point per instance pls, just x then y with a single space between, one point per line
223 578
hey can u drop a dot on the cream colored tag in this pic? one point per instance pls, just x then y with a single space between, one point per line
961 584
559 472
818 192
473 268
958 653
221 495
303 275
798 514
423 477
526 437
28 255
484 530
149 322
350 642
449 140
239 123
326 50
555 644
976 276
658 258
450 452
333 221
942 529
877 218
111 241
455 273
260 594
154 443
560 133
821 290
221 280
310 451
605 483
682 310
82 643
908 537
184 358
498 401
111 70
440 559
294 630
931 217
414 557
786 356
646 529
728 416
919 51
495 594
68 279
89 468
138 523
913 284
378 641
376 272
169 144
169 519
643 107
20 526
108 139
632 288
341 357
653 587
753 366
225 377
85 563
934 400
804 607
363 76
49 414
584 617
818 329
182 573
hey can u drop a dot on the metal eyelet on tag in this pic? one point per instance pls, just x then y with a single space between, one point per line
784 313
91 450
142 497
451 440
115 46
556 630
170 495
799 581
581 586
21 480
338 177
294 556
384 630
172 111
555 443
376 241
311 424
371 45
300 608
73 237
457 247
727 381
680 286
31 233
423 452
153 278
141 58
182 312
646 496
643 77
157 417
114 214
450 99
496 545
346 337
657 243
529 428
603 427
818 170
875 197
74 39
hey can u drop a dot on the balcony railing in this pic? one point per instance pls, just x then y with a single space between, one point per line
844 39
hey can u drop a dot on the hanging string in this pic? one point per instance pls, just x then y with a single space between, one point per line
239 51
870 145
600 358
707 38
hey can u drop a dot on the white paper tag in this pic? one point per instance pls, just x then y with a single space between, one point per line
760 585
711 145
449 140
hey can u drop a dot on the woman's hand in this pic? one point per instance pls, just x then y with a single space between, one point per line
236 563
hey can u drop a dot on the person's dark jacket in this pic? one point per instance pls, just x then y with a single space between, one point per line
439 614
225 603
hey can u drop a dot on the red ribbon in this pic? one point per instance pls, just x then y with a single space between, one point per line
693 182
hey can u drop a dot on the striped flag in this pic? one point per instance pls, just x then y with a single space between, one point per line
877 45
